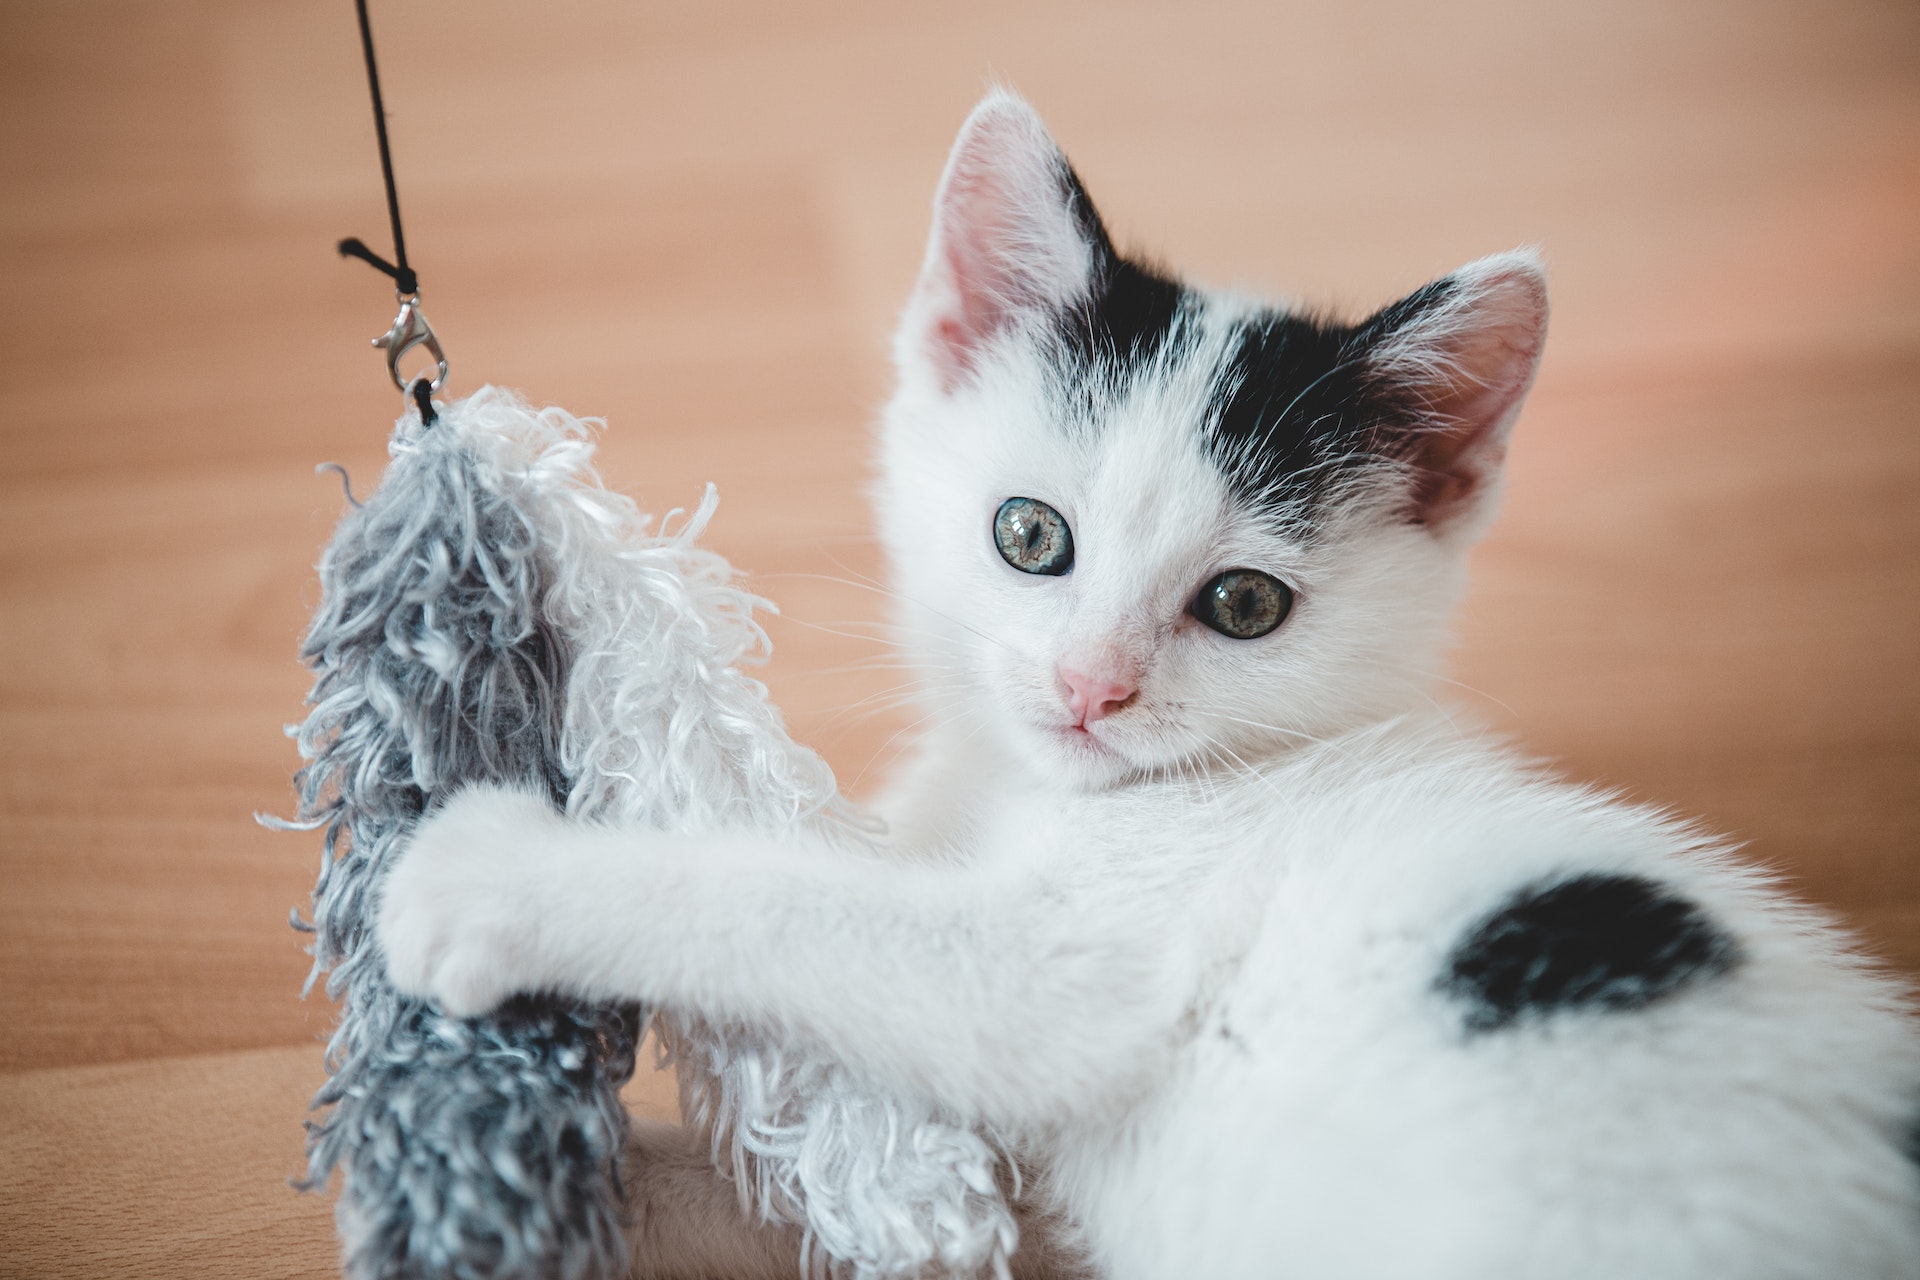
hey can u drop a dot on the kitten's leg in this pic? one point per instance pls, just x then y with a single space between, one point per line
686 1221
1005 998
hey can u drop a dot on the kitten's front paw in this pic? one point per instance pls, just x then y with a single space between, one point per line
459 913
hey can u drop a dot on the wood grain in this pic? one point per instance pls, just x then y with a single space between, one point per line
176 1166
698 220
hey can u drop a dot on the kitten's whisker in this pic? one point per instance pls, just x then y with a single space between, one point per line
834 631
1477 692
882 748
1270 728
881 625
888 632
875 703
1249 771
934 678
1434 702
1203 782
880 588
927 700
1332 744
889 662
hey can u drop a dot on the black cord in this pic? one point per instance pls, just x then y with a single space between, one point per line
403 275
404 278
422 393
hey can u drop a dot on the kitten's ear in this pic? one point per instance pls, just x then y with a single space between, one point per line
1459 356
1012 235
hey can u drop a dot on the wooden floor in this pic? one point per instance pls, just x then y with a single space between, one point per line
698 220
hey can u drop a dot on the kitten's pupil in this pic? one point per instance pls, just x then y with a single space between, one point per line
1033 537
1243 603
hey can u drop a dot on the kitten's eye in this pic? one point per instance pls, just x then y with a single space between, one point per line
1033 537
1243 603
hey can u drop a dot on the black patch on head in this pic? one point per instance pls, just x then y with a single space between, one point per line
1297 404
1129 309
1598 942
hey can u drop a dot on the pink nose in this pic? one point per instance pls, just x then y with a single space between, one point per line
1093 698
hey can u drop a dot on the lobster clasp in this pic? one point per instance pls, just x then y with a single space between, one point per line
410 330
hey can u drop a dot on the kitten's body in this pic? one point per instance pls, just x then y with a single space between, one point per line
1332 1106
1254 959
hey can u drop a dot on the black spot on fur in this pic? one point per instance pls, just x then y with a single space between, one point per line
1290 406
1298 406
1129 310
1599 942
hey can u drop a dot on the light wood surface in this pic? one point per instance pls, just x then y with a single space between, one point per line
698 220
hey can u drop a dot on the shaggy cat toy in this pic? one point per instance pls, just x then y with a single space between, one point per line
492 615
1252 962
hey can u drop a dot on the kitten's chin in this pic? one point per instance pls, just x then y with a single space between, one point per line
1078 759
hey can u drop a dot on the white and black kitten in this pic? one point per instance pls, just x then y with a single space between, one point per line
1257 962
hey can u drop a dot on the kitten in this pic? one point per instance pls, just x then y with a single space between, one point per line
1257 963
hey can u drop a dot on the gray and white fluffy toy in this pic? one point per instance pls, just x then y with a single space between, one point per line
492 613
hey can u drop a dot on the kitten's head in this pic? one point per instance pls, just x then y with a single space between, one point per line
1138 527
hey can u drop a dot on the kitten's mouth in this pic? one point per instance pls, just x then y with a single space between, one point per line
1088 760
1078 737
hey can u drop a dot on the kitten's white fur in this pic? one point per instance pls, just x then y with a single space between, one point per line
1185 961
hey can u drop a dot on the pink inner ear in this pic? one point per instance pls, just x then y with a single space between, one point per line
977 237
1004 237
1483 351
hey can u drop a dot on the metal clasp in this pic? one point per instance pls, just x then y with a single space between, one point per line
410 330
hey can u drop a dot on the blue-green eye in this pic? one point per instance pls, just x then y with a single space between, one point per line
1243 603
1033 537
